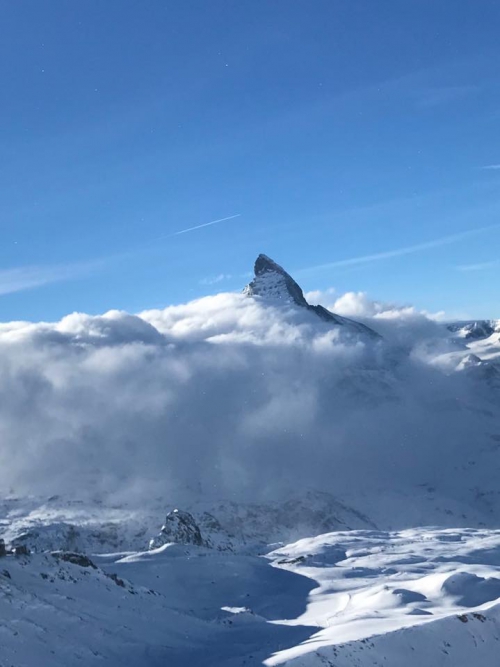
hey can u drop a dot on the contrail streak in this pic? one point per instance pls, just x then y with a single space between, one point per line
205 224
399 252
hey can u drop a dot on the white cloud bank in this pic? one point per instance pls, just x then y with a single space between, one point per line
233 398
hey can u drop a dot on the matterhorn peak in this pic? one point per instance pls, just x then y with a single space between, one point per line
273 283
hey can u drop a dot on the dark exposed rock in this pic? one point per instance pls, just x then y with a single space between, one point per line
179 527
75 558
273 282
291 561
116 579
21 550
3 550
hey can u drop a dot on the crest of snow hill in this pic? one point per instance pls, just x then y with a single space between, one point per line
272 282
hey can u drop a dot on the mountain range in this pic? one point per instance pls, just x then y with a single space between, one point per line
247 479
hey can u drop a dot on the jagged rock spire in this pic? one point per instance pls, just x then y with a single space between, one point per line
274 283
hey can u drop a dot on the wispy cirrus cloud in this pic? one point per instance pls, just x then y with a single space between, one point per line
481 266
213 280
221 277
491 167
399 252
434 96
22 278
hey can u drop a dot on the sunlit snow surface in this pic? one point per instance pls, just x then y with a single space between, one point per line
415 597
371 583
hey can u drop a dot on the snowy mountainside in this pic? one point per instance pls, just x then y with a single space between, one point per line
481 339
487 348
249 475
351 597
91 527
472 329
372 584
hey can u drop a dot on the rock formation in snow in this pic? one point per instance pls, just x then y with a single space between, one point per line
180 528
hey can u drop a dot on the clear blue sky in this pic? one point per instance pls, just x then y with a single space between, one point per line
335 130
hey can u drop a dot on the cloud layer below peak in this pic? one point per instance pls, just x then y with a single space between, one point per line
226 396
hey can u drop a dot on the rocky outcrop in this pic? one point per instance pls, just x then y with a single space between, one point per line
77 559
180 528
475 329
68 537
272 282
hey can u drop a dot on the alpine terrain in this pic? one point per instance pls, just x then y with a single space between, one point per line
251 479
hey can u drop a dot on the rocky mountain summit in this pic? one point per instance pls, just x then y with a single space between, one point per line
273 283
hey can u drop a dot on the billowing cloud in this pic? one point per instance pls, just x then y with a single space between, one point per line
226 396
397 322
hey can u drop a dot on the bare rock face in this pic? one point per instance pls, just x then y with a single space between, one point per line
181 528
272 282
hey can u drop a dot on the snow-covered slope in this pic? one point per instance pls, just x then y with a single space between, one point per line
473 329
90 527
374 583
487 348
291 455
349 598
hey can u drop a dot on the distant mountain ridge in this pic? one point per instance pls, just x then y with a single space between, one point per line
475 329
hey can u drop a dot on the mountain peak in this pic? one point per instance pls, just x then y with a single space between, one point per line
272 282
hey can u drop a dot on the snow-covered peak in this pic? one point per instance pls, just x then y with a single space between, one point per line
475 329
273 283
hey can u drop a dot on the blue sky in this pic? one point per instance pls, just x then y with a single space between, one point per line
354 142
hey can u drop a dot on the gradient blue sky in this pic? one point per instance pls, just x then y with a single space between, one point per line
357 142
